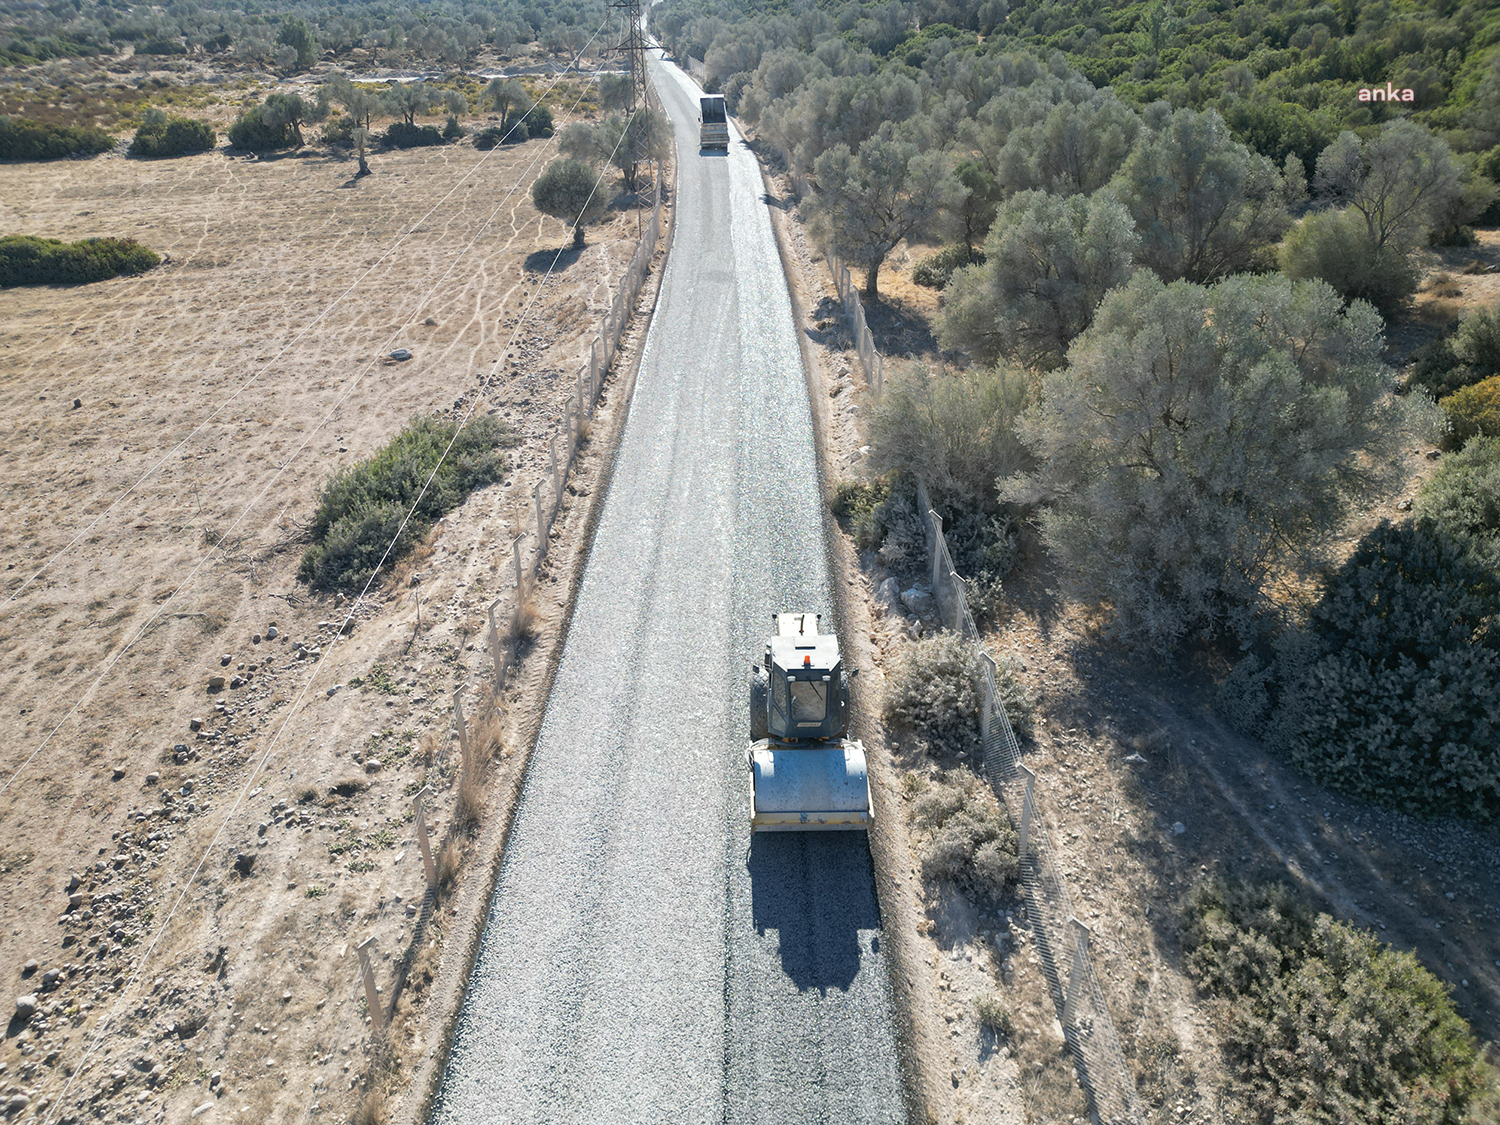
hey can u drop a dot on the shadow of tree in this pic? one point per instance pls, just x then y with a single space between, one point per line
541 261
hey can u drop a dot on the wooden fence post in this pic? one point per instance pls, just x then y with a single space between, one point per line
372 990
423 843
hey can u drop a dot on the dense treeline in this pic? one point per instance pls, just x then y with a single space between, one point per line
1169 239
292 36
48 261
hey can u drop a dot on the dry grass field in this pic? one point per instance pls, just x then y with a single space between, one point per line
184 869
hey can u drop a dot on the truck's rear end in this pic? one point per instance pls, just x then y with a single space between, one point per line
713 122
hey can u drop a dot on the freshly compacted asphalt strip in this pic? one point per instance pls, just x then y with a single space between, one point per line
644 960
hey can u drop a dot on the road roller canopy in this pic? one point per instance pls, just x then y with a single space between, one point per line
806 694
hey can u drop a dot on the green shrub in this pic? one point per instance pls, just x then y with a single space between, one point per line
338 132
968 839
1473 411
160 136
538 121
1436 369
936 270
1477 341
402 135
1391 690
48 261
452 130
1461 500
254 131
993 1015
1335 246
934 692
361 508
1323 1024
21 139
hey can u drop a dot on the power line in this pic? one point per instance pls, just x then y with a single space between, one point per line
162 608
292 710
227 403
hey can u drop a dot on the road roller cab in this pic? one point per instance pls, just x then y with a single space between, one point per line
804 774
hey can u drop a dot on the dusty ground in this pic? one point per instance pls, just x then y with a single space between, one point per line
213 396
1430 887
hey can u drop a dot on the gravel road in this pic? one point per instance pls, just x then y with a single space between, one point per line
643 961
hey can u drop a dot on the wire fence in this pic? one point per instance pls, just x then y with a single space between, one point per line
505 630
1060 939
864 343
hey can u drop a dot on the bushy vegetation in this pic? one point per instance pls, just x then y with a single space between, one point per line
1322 1023
275 123
936 269
402 135
1472 411
1468 355
25 260
953 430
1461 500
21 139
966 837
934 693
160 136
361 508
1391 689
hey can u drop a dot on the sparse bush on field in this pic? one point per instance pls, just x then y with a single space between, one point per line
23 139
25 260
404 135
1391 690
933 691
162 136
993 1015
1473 411
1321 1022
967 838
361 508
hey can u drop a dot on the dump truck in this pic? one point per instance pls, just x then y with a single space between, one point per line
713 123
804 774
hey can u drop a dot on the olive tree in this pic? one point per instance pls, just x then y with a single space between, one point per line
1048 262
407 99
296 35
1401 182
1201 436
1205 205
506 96
569 190
869 201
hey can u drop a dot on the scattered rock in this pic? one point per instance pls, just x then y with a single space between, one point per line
17 1102
215 683
50 979
244 862
918 602
225 659
1434 454
374 765
888 596
1404 505
117 773
1135 759
271 633
29 968
255 640
152 778
401 354
430 321
334 690
26 1006
1178 828
195 724
202 1109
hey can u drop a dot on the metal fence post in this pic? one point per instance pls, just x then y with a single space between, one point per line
1028 802
515 545
1080 966
987 701
556 480
372 990
423 843
459 724
541 529
935 524
495 642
